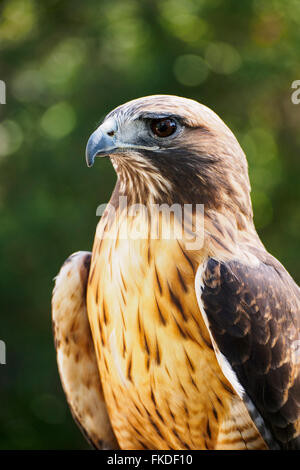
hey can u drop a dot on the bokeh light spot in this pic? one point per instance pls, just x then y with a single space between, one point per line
222 58
28 85
63 62
263 210
59 120
190 70
18 18
11 137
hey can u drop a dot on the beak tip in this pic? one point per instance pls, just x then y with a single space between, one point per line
89 160
98 144
90 152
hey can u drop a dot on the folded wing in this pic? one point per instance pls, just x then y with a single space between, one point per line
253 316
76 354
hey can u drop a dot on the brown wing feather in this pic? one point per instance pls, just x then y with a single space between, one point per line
254 317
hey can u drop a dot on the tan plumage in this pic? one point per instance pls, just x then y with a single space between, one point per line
155 355
163 315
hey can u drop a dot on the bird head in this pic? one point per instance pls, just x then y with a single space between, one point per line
169 148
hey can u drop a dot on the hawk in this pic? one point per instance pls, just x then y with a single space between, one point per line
166 344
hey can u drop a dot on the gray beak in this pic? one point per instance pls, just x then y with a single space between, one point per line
100 143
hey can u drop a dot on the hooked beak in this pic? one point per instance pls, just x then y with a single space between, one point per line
99 144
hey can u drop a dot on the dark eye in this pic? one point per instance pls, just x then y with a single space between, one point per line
163 127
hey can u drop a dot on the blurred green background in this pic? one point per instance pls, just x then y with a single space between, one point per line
65 65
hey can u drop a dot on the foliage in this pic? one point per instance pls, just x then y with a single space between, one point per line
66 64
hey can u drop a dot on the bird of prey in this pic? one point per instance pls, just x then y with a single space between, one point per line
167 344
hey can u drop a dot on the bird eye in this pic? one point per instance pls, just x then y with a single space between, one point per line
163 127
